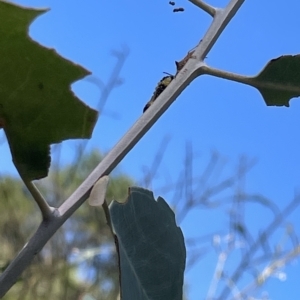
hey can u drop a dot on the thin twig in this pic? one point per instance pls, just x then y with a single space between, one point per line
116 241
158 158
222 258
107 216
246 261
46 210
206 7
268 271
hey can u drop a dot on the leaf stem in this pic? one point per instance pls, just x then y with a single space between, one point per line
107 216
46 210
205 69
204 6
116 241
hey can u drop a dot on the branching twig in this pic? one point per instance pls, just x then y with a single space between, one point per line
268 272
246 261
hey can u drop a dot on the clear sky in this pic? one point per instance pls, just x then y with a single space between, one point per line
212 114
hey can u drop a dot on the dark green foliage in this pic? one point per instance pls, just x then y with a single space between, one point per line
151 247
279 81
37 106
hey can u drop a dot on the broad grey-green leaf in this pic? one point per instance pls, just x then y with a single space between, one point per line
279 81
151 247
37 106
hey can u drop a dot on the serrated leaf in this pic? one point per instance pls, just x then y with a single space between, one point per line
279 81
151 247
37 106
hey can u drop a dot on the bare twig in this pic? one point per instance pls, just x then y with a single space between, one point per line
206 7
46 210
152 170
246 260
267 272
217 275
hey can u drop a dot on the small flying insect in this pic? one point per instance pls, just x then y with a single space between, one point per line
178 9
172 3
161 86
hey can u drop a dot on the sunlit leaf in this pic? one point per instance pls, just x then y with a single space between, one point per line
279 81
37 106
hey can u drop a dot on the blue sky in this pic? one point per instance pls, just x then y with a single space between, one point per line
212 114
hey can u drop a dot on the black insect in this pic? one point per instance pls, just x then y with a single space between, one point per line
178 9
172 3
161 86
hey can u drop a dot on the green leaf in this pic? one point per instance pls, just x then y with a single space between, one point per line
37 106
279 81
151 247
